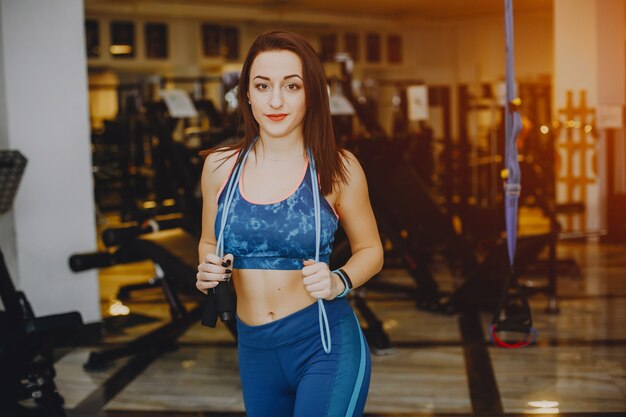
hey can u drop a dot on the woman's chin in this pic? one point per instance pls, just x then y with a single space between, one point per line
277 131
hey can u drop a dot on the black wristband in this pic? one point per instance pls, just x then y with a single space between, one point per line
347 277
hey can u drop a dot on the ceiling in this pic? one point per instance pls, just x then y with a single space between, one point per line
423 9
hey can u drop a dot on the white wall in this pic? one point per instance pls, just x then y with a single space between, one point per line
611 56
589 38
7 234
7 220
575 48
471 51
4 139
45 94
481 53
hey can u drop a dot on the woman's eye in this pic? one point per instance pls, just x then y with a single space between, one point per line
262 86
293 86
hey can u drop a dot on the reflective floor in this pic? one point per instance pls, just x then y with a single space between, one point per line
437 367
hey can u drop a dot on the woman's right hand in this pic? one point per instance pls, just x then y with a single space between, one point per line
213 270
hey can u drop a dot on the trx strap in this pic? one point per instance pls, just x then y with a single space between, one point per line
230 193
512 188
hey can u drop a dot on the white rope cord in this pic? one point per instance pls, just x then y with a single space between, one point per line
323 318
230 193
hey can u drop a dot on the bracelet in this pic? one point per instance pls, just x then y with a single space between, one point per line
346 277
346 282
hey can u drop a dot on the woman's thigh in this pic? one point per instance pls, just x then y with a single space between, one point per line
336 385
266 390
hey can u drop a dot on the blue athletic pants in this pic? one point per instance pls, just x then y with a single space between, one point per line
286 373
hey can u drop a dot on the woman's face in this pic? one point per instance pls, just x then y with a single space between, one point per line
276 93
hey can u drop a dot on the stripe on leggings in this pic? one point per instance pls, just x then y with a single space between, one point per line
360 375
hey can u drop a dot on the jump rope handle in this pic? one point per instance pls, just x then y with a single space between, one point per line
219 301
225 300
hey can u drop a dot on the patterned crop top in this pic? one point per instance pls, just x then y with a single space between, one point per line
277 235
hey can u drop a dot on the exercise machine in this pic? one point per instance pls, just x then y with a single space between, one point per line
26 340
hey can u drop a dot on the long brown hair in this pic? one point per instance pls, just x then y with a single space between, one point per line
317 126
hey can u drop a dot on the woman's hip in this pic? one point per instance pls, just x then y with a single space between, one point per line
296 326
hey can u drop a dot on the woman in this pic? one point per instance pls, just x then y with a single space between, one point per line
301 349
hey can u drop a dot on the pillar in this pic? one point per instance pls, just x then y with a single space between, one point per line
44 115
588 61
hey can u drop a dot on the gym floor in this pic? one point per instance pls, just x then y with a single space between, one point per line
441 365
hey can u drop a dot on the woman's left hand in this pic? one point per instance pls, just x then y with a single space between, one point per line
319 281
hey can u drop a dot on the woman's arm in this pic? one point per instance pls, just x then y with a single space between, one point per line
210 269
357 219
208 185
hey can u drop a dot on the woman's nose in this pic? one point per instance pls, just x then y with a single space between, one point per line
276 100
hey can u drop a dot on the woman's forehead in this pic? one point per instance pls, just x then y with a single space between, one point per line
274 64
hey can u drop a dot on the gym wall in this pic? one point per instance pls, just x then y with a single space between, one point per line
442 52
7 231
44 114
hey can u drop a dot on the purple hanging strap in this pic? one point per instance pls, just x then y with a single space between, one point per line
512 184
513 125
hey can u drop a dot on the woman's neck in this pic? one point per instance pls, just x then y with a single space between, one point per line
280 149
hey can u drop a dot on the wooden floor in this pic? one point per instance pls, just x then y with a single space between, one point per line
441 366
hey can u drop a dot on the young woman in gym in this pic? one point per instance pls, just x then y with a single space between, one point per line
273 203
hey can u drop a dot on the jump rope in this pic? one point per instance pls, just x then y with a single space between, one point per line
233 184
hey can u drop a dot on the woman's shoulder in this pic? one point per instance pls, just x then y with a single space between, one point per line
219 163
353 169
224 155
351 163
348 158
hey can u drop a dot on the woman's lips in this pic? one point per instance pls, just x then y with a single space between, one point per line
276 117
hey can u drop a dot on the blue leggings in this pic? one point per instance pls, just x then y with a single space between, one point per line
286 373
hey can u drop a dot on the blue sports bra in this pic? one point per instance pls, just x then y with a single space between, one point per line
277 235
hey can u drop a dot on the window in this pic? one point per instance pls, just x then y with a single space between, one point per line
329 47
92 38
351 43
122 40
211 40
231 43
156 40
394 49
373 47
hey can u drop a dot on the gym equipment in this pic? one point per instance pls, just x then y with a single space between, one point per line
412 218
537 166
27 342
174 253
454 189
112 237
421 145
513 311
138 155
419 227
119 153
12 165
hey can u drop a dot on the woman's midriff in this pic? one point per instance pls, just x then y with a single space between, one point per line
264 296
